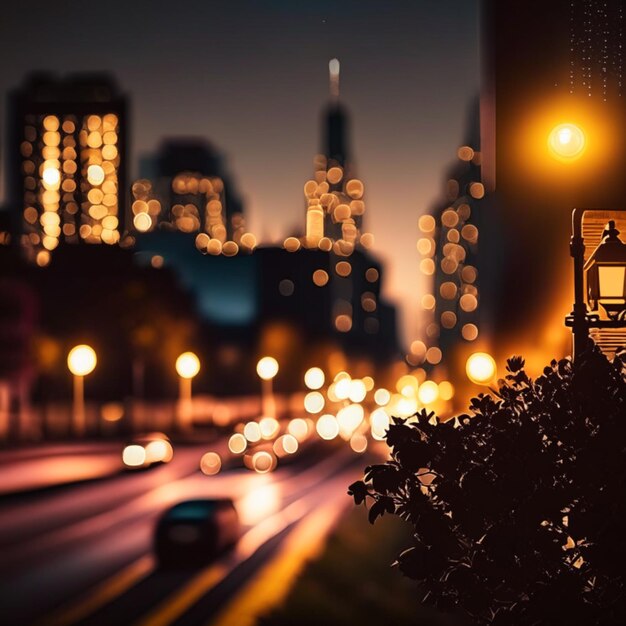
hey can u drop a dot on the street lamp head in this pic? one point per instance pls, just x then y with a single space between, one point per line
481 368
606 274
567 142
81 360
267 368
187 365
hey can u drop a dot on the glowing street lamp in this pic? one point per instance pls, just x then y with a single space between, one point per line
481 368
81 361
267 368
187 367
567 142
605 273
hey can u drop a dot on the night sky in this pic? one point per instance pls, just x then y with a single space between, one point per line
252 77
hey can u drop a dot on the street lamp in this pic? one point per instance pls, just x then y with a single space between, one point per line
567 142
81 361
267 368
187 367
605 273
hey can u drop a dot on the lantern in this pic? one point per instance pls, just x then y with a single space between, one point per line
606 274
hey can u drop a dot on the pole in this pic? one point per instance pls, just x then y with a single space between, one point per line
184 403
79 405
268 406
580 326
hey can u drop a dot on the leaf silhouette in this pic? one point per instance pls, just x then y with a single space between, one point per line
540 467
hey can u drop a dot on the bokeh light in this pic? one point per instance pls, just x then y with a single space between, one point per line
481 368
187 365
81 360
210 463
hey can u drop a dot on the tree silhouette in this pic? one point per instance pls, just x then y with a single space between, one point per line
518 508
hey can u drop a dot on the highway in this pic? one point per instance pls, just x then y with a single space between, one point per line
81 553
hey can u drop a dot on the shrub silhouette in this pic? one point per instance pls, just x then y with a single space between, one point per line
518 510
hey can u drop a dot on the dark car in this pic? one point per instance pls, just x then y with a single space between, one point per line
195 531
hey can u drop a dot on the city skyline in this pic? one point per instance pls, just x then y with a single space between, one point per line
409 119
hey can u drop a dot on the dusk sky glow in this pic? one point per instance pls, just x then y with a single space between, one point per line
252 77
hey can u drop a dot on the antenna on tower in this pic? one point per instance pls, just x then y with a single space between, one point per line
333 70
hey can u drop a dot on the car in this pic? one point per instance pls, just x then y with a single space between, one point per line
194 532
147 450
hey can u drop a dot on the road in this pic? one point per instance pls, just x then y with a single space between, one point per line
82 553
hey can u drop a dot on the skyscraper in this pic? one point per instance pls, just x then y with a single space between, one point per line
69 181
185 188
449 248
335 197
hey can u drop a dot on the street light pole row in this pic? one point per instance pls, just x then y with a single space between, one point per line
82 360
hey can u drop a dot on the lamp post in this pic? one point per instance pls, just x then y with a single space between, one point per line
267 368
81 361
605 274
187 367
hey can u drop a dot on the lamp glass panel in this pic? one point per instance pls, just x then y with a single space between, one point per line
611 279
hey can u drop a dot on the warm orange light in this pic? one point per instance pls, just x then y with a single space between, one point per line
134 456
382 397
428 392
237 443
81 360
299 428
252 432
95 174
187 365
327 427
567 142
379 423
314 402
267 368
314 378
481 368
210 463
269 427
51 176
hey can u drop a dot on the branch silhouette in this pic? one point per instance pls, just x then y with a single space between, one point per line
518 506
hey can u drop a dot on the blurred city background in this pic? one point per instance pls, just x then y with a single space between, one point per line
237 238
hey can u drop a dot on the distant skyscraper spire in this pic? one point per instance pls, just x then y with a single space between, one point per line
336 121
333 70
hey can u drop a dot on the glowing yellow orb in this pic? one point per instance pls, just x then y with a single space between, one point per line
95 174
51 176
187 365
267 368
481 368
81 360
314 378
428 392
567 142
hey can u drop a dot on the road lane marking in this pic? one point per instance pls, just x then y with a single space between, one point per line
271 585
173 608
183 599
102 594
180 601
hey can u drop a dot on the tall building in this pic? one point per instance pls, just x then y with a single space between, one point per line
324 285
350 276
449 248
335 202
69 182
185 188
545 65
